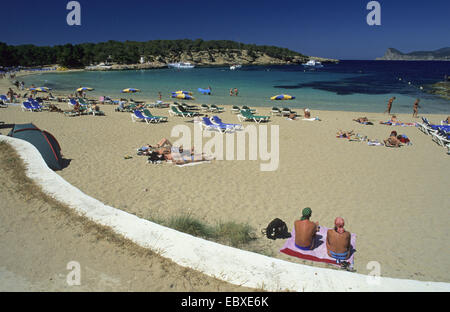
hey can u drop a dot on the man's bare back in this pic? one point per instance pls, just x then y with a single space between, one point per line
338 243
305 232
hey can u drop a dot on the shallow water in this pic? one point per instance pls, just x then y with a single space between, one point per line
347 86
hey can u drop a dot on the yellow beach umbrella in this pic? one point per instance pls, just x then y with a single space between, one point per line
130 90
282 97
84 89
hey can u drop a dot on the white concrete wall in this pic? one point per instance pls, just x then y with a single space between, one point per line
225 263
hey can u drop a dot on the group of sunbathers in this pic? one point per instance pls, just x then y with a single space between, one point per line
165 151
337 240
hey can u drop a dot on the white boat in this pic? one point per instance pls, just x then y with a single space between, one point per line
234 67
313 64
181 65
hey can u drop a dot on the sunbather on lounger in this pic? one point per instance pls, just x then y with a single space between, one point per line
305 231
338 241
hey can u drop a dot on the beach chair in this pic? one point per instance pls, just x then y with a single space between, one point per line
208 125
285 112
441 137
205 108
184 109
26 106
252 110
216 120
246 115
235 109
5 99
216 109
36 106
275 111
147 113
137 115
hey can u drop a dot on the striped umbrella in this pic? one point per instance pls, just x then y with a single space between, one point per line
182 96
282 97
182 92
130 90
40 89
84 89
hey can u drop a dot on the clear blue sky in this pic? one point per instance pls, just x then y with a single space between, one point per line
327 28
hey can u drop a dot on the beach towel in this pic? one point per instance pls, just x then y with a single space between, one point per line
403 124
374 143
311 119
194 163
318 254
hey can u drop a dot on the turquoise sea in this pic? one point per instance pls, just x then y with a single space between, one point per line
348 86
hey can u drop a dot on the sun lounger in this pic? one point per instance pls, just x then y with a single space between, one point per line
26 106
216 120
5 99
275 111
252 110
216 109
205 107
208 125
137 115
246 115
147 113
174 111
235 109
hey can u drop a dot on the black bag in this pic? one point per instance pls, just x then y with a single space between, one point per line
277 228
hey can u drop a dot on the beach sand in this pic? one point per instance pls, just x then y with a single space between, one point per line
395 200
39 239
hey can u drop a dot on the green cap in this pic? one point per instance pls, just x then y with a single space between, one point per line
306 213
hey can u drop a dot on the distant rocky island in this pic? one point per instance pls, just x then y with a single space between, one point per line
396 55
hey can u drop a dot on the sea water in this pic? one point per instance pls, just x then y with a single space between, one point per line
348 86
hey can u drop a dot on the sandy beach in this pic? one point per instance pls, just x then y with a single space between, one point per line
395 200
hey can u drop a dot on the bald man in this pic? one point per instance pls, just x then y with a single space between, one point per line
305 231
338 241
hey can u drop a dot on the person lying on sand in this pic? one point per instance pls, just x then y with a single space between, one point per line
338 241
305 231
363 120
392 141
344 134
393 120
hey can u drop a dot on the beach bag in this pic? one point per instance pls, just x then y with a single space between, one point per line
154 157
277 228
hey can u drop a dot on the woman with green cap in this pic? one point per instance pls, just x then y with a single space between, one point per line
305 231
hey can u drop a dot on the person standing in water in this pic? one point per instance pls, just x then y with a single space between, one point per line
416 108
236 92
231 92
389 106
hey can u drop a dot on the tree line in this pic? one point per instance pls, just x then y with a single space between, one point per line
128 52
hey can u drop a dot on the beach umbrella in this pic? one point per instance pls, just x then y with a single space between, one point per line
130 90
39 89
282 97
84 89
182 96
182 92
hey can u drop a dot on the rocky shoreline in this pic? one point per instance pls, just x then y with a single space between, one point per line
441 89
212 59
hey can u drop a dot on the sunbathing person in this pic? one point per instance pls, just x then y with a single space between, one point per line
305 231
363 120
392 141
307 113
393 120
338 241
344 134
